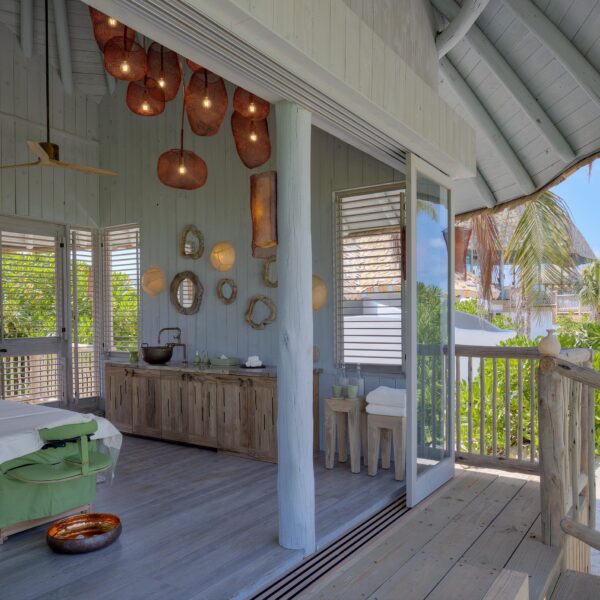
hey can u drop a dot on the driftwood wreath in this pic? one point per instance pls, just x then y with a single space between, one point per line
268 319
197 293
267 274
222 297
183 238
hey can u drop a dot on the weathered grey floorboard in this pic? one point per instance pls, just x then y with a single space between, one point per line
196 524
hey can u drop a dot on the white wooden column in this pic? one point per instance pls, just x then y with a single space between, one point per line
295 481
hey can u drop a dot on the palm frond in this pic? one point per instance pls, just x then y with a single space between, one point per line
487 245
540 249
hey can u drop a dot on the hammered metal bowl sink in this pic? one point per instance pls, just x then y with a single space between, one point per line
157 355
83 533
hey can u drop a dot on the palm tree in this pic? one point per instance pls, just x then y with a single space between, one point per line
589 290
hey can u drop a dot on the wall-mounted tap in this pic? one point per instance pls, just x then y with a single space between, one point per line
177 340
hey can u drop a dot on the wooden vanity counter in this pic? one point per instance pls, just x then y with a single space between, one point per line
231 409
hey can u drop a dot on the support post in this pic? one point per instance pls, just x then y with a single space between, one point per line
552 452
295 474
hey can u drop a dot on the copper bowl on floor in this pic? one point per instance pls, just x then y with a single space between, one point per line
83 533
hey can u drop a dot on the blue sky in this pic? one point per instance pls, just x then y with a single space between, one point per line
582 194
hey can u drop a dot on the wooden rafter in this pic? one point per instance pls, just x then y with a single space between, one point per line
26 27
564 51
63 44
486 125
511 82
459 25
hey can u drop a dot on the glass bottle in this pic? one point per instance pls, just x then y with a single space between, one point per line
360 382
344 380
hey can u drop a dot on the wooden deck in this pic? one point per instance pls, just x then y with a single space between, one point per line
196 524
453 545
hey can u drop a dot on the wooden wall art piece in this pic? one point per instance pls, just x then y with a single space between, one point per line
106 28
252 306
226 291
222 256
124 58
186 293
269 272
163 67
153 281
145 97
205 102
319 293
263 211
191 242
252 140
250 105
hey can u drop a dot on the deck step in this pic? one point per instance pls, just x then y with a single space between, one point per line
319 564
576 586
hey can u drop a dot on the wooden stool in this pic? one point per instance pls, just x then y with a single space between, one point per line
348 417
379 429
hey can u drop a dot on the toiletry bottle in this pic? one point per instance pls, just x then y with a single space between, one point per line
344 380
197 359
360 382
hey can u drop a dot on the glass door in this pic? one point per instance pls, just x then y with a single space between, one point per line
430 327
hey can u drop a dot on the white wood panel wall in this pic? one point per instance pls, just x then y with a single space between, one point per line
44 193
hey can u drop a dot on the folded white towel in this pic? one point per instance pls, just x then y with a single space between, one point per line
254 361
388 397
388 411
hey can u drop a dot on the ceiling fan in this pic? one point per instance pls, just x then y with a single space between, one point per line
47 153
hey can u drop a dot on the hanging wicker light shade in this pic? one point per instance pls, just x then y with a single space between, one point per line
106 28
205 102
124 58
249 105
163 67
145 97
179 168
252 140
192 65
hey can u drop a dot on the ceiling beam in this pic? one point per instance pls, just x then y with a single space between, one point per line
63 44
26 27
511 82
564 51
487 196
459 25
486 125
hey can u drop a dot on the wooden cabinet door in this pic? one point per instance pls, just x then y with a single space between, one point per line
202 411
232 414
145 387
118 399
174 396
262 411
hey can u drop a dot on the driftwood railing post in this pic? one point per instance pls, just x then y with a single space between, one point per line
552 451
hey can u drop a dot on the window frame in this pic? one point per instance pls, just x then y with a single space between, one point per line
396 370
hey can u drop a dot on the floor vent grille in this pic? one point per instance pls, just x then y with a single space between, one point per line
294 582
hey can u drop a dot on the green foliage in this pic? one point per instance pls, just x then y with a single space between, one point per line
472 307
589 291
504 322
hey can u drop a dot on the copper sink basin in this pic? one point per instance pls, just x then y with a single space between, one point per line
157 355
83 533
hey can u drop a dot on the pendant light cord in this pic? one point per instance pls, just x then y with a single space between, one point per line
181 70
47 78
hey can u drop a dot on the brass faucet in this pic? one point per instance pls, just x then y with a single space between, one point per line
177 340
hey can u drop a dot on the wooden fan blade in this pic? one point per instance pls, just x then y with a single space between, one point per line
81 168
27 164
37 149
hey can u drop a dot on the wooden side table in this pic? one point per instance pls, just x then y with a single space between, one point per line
348 419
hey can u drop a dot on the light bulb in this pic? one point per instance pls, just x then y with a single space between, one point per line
182 169
145 106
112 22
162 82
253 136
252 107
206 102
124 67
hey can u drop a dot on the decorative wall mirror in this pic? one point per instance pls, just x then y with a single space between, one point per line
269 274
191 242
186 293
226 290
261 311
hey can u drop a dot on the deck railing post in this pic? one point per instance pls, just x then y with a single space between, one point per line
552 451
295 480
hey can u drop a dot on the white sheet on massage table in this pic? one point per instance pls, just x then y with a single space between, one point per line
20 423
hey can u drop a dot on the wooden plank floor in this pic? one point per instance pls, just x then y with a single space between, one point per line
453 545
196 524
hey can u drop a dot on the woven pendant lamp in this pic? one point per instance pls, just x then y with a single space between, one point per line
193 65
145 97
252 140
249 105
106 28
205 102
179 168
163 67
124 58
